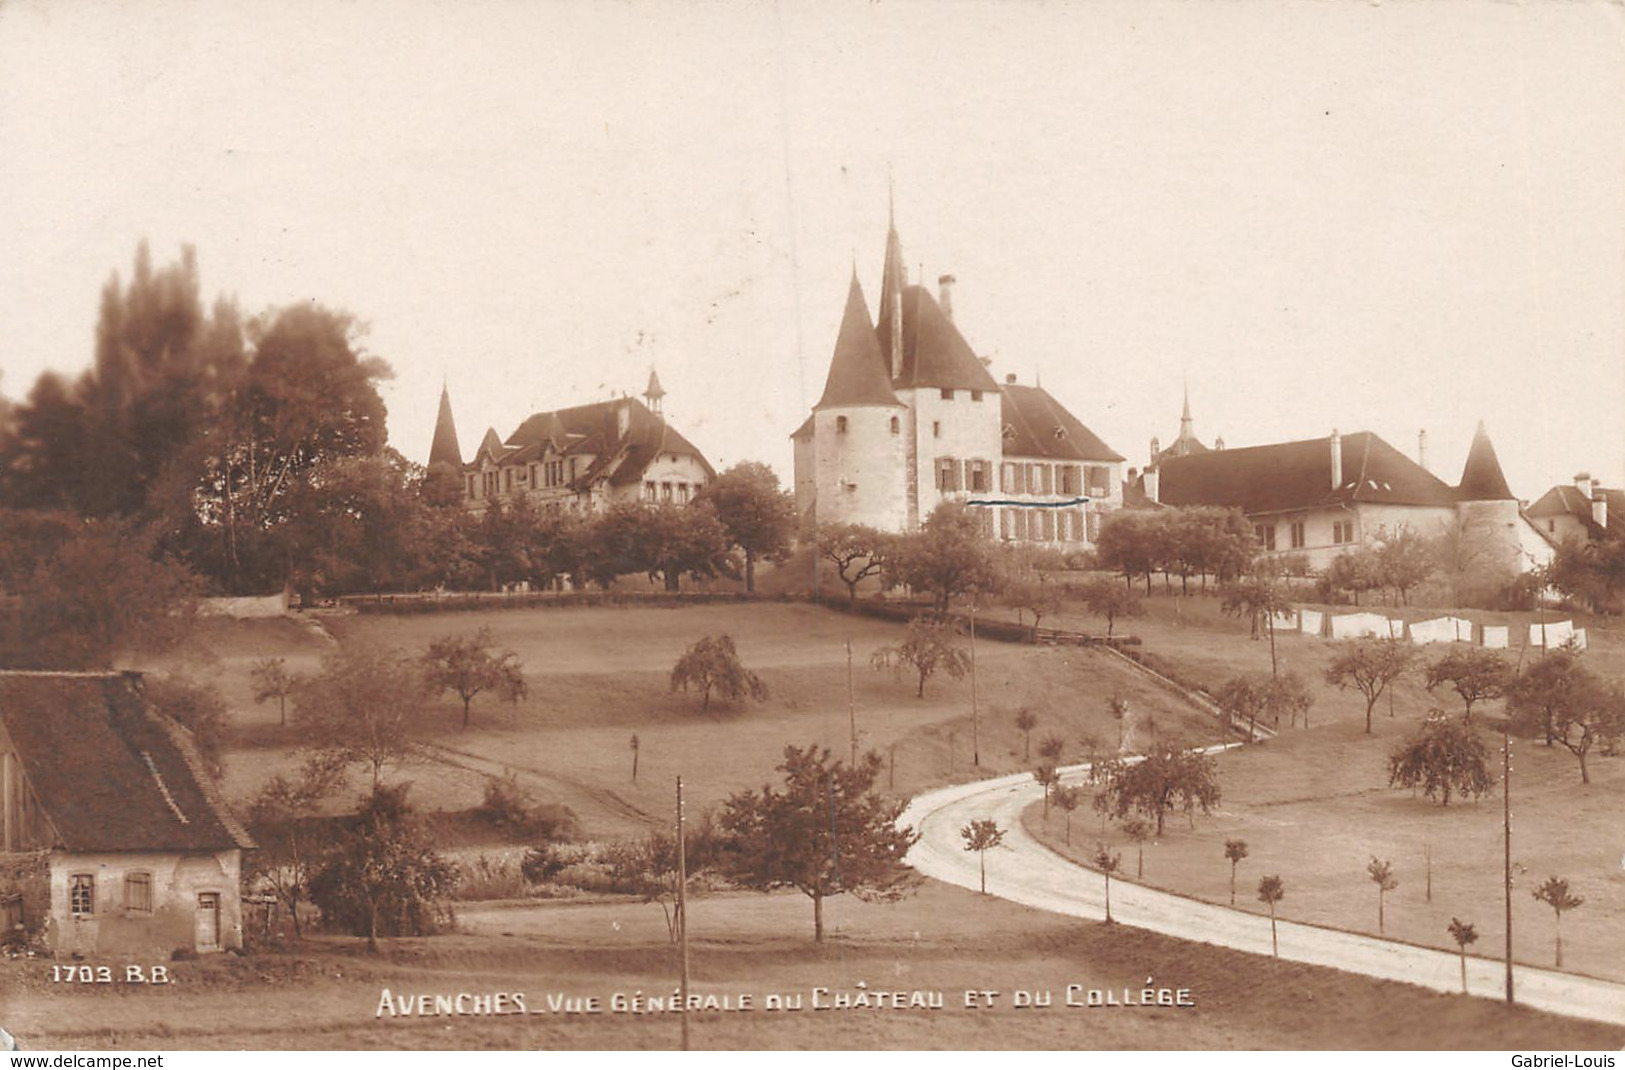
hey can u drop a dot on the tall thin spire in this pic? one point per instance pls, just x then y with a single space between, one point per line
443 448
893 278
1185 416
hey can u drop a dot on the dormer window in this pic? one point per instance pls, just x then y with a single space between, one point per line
1009 430
1059 433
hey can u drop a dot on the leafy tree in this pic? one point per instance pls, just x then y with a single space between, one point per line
1289 695
1052 748
291 845
757 516
1117 705
825 833
1476 675
1444 756
1128 545
1244 698
467 666
926 647
1591 571
982 836
1138 829
271 679
1068 799
712 664
100 592
1235 851
358 708
1463 934
857 552
1370 666
1354 571
1047 778
1108 600
1381 873
1033 595
949 556
1107 861
1026 721
383 877
1166 775
1271 890
1405 560
1571 705
1555 894
197 707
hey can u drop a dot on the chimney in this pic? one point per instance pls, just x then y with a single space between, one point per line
1422 448
1153 481
1599 509
945 287
1218 443
1582 482
1337 459
1156 448
1010 378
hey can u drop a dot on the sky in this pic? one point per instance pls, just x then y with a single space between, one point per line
1369 216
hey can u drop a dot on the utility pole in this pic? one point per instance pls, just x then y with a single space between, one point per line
851 704
682 911
1506 829
975 731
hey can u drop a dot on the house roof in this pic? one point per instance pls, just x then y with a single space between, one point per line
1481 478
110 772
444 449
1036 425
594 431
1298 475
1566 500
857 371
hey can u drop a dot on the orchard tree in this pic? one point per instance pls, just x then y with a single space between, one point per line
357 710
949 556
1463 933
1381 873
1235 851
826 832
1106 599
1118 706
856 550
1370 666
1444 757
1026 721
1405 560
271 679
1555 894
468 666
1051 749
712 664
1271 890
1138 829
290 845
1592 570
926 647
1476 675
1167 776
1354 571
1068 799
1571 705
1128 545
1244 699
1047 779
1288 694
982 836
1107 861
1033 595
756 514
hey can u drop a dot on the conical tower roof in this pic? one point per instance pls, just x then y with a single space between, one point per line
857 372
1481 478
444 448
653 391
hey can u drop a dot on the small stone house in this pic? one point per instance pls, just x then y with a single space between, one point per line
144 858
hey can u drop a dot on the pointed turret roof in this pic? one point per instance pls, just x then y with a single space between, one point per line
1481 478
444 448
857 371
893 281
491 444
653 391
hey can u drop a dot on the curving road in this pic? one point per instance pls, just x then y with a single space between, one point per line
1038 877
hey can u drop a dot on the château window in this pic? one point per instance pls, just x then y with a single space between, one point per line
840 425
978 476
82 894
138 892
896 426
936 428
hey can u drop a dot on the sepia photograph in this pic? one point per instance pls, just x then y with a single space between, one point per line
793 525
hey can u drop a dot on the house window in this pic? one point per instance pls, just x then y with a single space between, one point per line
682 493
1265 534
572 469
947 394
138 892
82 894
665 492
936 428
471 490
976 395
649 491
1342 531
534 480
840 425
507 480
896 425
978 476
1297 534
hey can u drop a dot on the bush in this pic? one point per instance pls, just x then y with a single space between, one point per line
382 878
490 877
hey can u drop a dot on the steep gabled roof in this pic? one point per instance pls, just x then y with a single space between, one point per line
857 371
1036 425
1481 478
594 431
935 354
1566 500
1288 476
111 773
490 444
444 449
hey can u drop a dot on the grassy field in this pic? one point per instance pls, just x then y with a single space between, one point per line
325 993
1314 808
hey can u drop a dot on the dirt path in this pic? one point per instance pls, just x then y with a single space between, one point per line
1029 873
554 785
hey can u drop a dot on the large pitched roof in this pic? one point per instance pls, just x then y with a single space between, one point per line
1566 500
857 371
111 773
444 449
1481 478
594 430
935 354
1036 425
1298 475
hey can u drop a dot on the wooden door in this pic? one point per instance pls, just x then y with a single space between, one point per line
208 921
